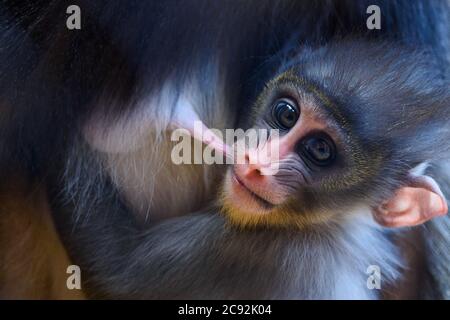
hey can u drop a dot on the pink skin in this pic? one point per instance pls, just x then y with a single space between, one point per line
187 120
412 205
252 188
251 181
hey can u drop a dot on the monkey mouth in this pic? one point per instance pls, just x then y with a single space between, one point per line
261 201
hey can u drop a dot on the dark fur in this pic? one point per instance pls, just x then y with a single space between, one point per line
200 256
390 102
51 81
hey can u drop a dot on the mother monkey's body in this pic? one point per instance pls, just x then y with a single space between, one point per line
108 95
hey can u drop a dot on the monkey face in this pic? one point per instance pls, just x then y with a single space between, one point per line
354 125
312 165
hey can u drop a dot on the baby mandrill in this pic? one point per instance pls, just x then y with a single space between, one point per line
358 123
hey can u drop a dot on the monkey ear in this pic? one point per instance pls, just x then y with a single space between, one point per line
417 202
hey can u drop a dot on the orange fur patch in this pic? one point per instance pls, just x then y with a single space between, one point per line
33 261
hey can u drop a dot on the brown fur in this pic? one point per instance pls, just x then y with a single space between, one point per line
33 261
413 277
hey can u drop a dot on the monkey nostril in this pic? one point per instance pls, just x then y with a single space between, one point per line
253 173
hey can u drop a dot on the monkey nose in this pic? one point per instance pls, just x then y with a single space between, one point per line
251 169
255 163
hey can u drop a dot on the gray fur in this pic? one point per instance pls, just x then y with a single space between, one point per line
201 256
437 241
197 255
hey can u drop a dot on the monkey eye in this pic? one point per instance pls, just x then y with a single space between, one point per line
318 149
286 114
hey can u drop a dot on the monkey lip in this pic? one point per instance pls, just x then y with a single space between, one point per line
263 202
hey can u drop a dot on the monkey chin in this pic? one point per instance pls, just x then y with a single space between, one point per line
248 214
242 219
